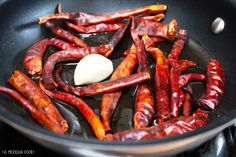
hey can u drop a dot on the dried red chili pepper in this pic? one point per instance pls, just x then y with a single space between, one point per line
185 78
77 54
176 70
38 116
60 44
98 28
178 46
30 90
215 82
66 35
67 55
144 107
85 110
168 128
33 57
144 101
85 19
105 86
153 28
110 100
161 80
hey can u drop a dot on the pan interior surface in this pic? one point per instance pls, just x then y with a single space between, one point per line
20 30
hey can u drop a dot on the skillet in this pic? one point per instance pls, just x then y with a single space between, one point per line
19 30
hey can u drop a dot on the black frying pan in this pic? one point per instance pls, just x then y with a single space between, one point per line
19 30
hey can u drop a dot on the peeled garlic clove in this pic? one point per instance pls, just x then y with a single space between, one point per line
91 69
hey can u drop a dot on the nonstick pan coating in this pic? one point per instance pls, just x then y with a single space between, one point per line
19 30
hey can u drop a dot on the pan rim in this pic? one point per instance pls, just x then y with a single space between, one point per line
43 133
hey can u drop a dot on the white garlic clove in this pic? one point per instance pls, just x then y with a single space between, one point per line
91 69
217 25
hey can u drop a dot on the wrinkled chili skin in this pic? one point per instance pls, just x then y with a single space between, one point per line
67 55
178 46
155 18
60 44
97 28
103 87
85 19
175 72
153 28
161 80
110 100
30 90
38 116
144 107
215 84
86 111
33 57
66 35
168 128
184 79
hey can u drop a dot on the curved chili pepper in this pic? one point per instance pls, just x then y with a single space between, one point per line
168 128
178 46
98 28
153 28
33 57
30 90
66 35
58 43
215 82
110 100
67 55
184 79
176 70
105 86
77 54
85 19
161 80
40 117
86 111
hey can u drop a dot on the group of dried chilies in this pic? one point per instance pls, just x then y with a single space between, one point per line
172 105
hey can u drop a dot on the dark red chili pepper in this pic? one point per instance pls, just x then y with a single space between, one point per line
185 78
178 46
144 101
85 19
110 100
215 83
30 90
40 117
144 107
33 57
168 128
176 70
66 35
86 111
153 28
105 86
161 80
60 44
98 28
67 55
